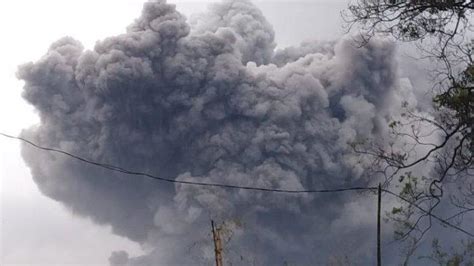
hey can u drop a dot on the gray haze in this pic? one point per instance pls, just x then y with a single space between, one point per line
210 99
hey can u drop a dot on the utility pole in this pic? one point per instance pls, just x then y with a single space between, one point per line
217 244
379 205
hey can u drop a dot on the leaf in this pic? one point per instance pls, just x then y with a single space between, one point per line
396 210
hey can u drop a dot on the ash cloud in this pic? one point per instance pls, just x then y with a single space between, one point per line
210 100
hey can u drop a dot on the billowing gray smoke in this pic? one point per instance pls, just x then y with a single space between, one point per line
211 101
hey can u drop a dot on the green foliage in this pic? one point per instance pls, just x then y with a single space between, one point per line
410 20
403 215
459 99
442 30
455 257
396 210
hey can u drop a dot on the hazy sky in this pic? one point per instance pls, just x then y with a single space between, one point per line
35 230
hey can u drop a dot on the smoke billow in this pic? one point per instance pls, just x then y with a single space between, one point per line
210 100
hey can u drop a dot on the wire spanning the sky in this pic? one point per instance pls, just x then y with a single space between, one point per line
148 175
436 217
230 186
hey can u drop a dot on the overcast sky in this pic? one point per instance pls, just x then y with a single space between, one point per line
35 230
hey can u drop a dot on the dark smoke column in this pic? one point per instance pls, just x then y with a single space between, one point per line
211 102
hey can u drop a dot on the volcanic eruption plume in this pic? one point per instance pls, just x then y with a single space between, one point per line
212 100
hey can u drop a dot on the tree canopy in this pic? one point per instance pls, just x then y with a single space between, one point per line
442 30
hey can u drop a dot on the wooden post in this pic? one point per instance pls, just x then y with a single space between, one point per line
379 205
217 244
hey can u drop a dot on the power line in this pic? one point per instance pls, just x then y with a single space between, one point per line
441 220
227 186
